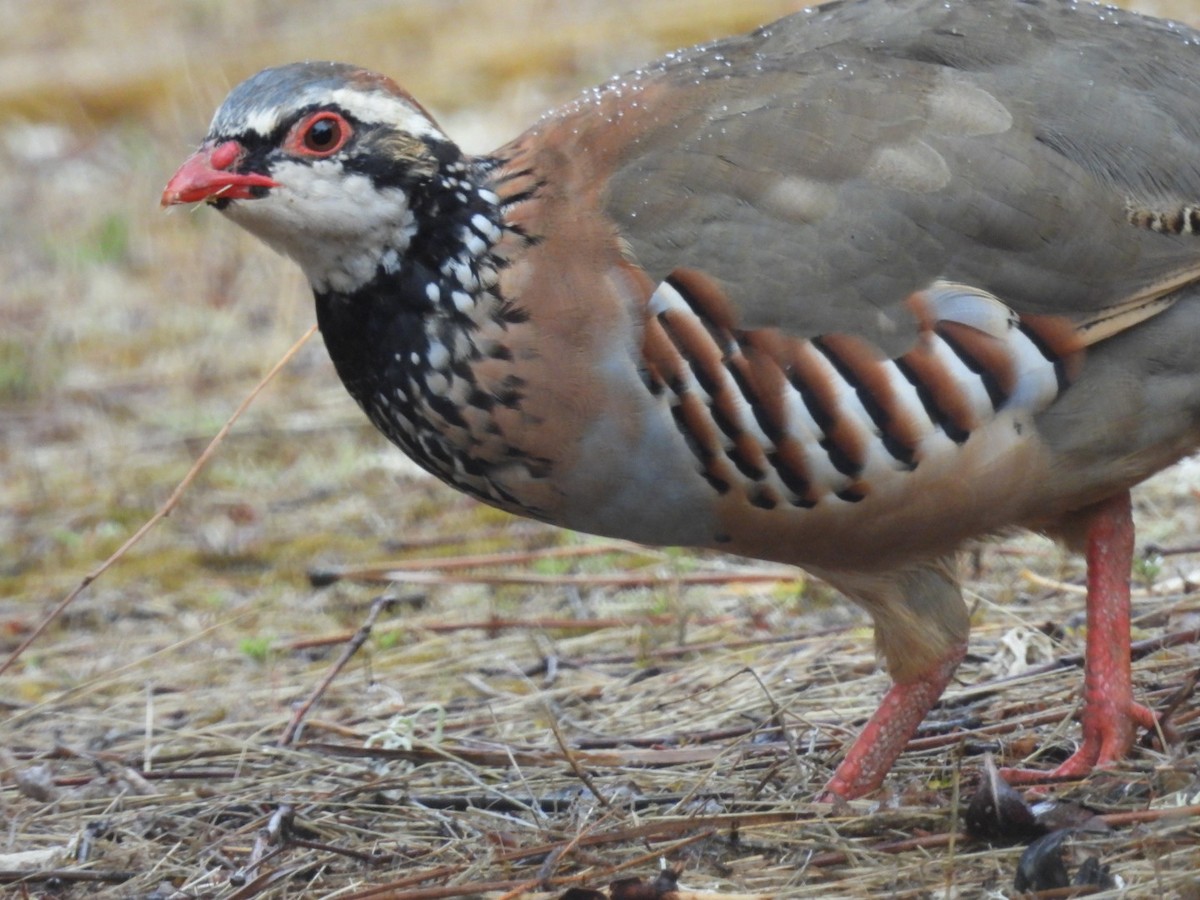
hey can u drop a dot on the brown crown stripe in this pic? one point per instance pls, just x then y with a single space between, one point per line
944 403
985 355
863 368
718 484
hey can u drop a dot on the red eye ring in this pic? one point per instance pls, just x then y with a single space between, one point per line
319 135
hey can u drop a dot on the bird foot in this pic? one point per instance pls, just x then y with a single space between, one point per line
1109 730
888 731
1110 717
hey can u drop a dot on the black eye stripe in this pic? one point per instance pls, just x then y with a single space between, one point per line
253 139
258 147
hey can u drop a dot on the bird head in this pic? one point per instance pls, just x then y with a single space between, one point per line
322 161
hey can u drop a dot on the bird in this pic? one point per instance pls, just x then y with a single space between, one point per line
845 292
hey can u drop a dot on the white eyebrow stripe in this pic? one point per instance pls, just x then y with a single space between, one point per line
261 121
376 108
370 108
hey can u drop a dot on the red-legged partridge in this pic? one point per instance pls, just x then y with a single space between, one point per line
845 292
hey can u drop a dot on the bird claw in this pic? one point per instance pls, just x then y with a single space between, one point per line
1109 731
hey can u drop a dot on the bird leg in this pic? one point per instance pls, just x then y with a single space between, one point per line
1110 717
921 627
889 729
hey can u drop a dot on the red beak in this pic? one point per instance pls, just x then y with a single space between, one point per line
206 176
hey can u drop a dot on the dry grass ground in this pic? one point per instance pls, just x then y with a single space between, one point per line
490 737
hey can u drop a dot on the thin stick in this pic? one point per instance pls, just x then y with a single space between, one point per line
478 560
360 637
549 623
37 876
435 577
573 761
163 511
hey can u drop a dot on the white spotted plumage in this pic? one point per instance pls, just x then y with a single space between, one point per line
338 226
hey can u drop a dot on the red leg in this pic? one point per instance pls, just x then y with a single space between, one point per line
1110 717
887 733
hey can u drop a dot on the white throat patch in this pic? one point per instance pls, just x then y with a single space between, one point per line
338 226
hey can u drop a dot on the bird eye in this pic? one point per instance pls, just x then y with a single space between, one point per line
321 134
